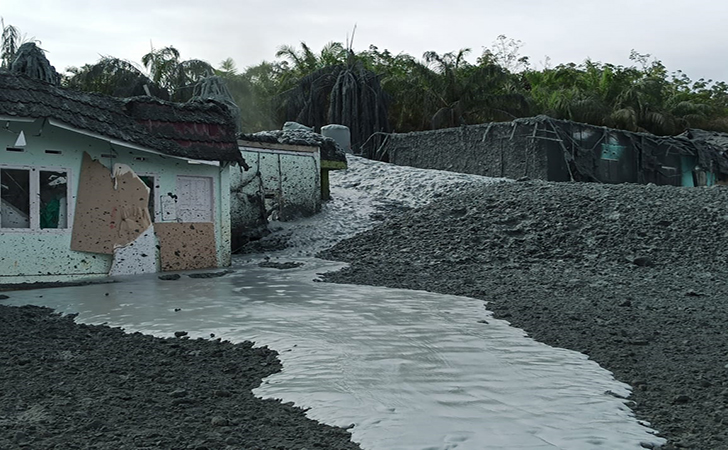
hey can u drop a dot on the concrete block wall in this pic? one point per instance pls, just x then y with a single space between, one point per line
495 150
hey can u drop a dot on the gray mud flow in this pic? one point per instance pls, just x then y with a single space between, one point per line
632 276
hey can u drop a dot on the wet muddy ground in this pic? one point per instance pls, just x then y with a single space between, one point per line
72 386
633 276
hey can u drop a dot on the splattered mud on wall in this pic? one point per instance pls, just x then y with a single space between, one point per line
186 246
140 256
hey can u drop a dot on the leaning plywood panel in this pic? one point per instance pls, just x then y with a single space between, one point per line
110 211
186 246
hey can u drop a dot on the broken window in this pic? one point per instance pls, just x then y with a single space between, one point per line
53 204
14 198
33 199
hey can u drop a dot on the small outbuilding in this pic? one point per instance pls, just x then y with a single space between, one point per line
287 180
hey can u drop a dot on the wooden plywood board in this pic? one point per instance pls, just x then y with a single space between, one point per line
186 246
110 211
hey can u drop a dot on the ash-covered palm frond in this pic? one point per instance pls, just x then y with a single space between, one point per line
31 61
10 42
307 102
215 88
358 101
183 77
347 95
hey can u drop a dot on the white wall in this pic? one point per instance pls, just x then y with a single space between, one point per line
45 255
284 180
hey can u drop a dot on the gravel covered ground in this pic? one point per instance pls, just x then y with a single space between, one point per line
633 276
71 386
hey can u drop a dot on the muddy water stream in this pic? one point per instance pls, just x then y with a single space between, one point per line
409 369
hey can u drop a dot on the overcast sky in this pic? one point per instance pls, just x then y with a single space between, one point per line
687 35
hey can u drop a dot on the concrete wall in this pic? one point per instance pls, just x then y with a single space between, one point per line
283 183
29 255
553 150
494 150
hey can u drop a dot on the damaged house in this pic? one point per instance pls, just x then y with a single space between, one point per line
559 150
94 185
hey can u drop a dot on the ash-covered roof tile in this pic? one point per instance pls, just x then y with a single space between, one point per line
195 130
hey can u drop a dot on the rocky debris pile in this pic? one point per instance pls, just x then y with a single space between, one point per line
586 224
630 275
67 385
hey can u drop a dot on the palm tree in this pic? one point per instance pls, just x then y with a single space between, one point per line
168 78
333 87
10 42
115 77
469 93
177 77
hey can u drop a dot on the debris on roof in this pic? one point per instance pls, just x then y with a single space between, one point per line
32 62
330 150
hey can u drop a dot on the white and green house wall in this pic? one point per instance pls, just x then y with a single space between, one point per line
92 186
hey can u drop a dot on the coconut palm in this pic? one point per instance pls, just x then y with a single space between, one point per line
10 42
469 93
177 77
332 87
115 77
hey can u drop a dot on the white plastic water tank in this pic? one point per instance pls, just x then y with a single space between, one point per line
340 134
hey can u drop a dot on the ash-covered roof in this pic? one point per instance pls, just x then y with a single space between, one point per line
195 130
330 150
712 137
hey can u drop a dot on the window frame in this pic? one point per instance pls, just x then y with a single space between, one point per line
34 188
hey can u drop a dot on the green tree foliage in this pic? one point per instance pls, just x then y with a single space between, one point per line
255 92
638 98
444 90
115 77
177 77
167 77
376 91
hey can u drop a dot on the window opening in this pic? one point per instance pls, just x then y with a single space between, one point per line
14 198
33 199
53 204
